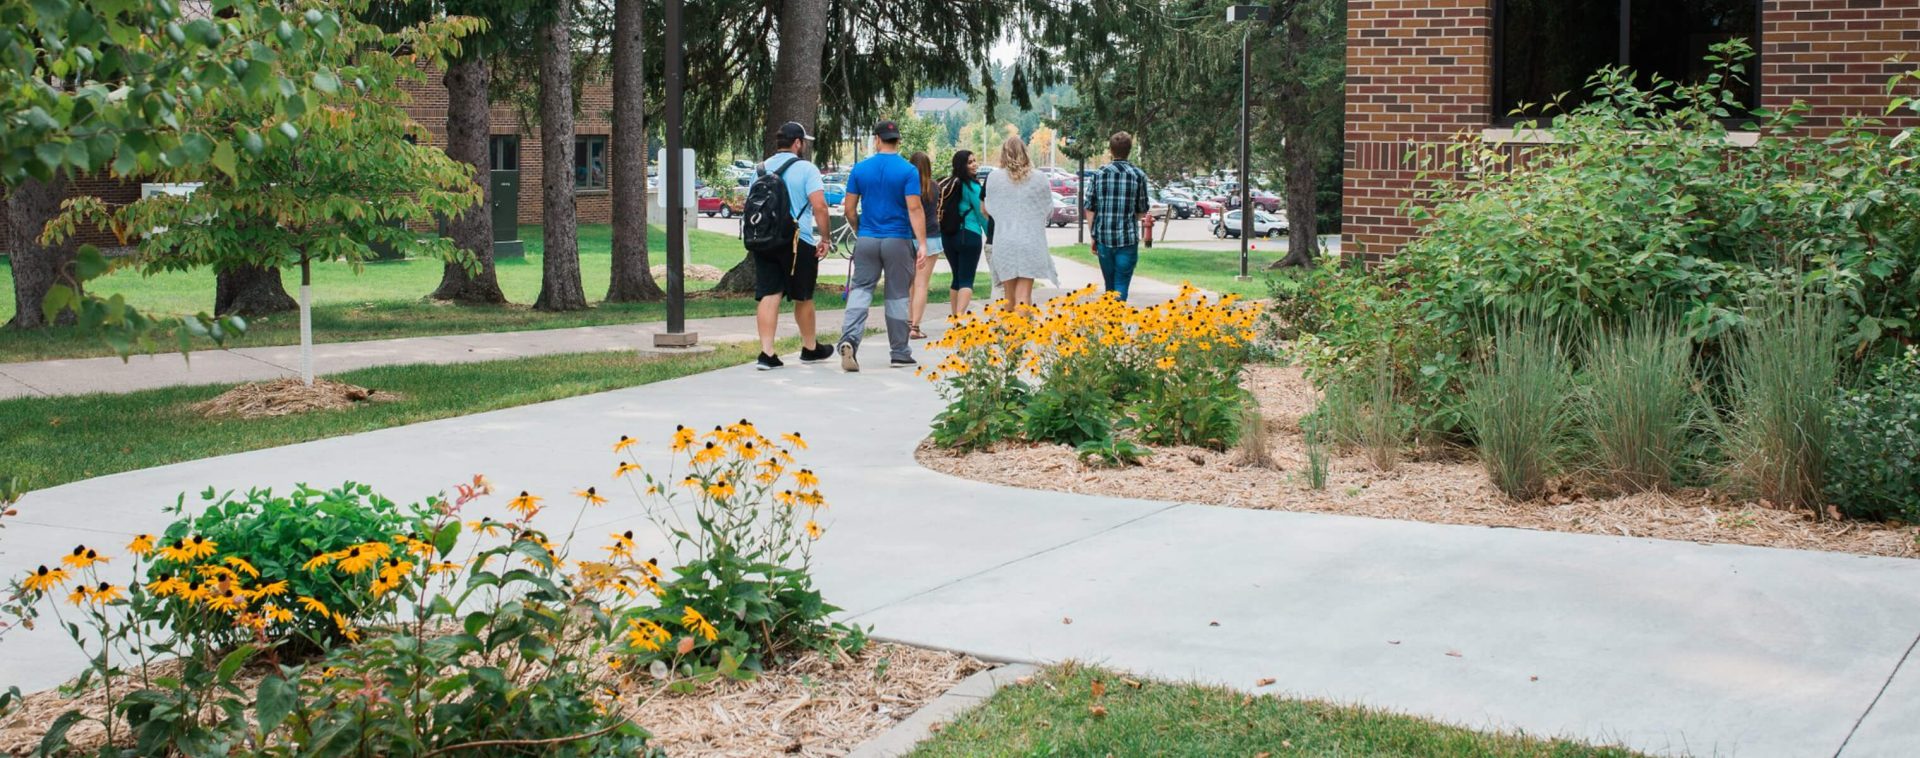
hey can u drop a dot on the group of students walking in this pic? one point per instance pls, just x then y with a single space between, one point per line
904 220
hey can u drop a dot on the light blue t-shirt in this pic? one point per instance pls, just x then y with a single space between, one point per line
802 181
883 183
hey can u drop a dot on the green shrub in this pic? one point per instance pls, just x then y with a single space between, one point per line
1638 405
1873 463
276 536
1519 404
1113 452
1784 372
1067 409
1316 448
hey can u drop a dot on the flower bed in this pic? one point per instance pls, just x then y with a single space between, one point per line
1436 485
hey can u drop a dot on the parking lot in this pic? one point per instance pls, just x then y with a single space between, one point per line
1194 233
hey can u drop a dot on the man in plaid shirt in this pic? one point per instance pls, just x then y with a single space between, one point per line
1115 199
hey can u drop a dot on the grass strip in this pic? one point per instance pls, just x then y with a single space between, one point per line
52 441
1214 270
1058 714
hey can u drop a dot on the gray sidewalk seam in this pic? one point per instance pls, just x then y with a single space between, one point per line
24 383
903 737
1012 561
1877 695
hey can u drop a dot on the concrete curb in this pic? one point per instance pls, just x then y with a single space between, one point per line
970 692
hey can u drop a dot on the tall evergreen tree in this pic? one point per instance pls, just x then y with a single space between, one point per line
560 285
632 279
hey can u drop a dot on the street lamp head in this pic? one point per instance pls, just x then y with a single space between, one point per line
1239 13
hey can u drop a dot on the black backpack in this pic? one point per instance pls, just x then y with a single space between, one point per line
950 197
766 226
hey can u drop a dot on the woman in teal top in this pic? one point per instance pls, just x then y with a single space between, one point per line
963 225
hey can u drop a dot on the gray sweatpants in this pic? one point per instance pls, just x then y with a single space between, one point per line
873 257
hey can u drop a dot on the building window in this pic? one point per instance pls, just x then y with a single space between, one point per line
503 152
1544 48
590 163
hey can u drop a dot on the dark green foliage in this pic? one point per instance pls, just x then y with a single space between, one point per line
1067 412
1112 452
1873 459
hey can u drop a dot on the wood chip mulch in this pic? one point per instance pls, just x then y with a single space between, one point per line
1445 487
284 397
818 705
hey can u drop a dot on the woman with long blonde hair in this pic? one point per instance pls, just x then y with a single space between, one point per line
923 269
1019 203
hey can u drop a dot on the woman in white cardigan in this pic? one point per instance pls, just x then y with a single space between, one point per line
1019 202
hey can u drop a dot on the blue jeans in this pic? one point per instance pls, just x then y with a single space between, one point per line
1116 267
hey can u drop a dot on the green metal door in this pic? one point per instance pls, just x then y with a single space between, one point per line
505 160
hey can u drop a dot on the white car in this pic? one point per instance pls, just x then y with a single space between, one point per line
1227 225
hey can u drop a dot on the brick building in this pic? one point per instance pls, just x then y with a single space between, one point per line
1420 72
515 145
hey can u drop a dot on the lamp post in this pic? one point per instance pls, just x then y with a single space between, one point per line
675 176
1237 14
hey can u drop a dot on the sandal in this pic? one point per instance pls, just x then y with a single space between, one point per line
913 331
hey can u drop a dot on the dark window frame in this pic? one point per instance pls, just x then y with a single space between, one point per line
1502 110
495 153
585 183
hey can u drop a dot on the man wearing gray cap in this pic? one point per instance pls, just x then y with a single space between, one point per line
891 239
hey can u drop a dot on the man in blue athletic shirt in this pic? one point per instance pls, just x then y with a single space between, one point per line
883 206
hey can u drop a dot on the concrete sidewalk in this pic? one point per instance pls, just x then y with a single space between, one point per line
1668 647
81 376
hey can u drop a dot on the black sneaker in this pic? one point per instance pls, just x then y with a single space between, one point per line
902 362
815 354
848 363
768 362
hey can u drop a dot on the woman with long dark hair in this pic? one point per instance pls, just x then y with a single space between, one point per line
963 224
923 269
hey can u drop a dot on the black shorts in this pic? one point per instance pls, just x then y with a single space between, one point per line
791 278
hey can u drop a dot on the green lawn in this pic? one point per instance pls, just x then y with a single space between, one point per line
1054 716
388 299
52 441
1208 269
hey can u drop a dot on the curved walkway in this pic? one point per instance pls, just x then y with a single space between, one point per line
1665 646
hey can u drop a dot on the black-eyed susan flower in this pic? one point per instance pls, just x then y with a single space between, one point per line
364 556
166 585
241 565
277 613
78 596
592 496
793 438
314 605
644 634
806 478
226 601
709 453
698 624
624 443
43 579
624 469
141 545
682 438
107 593
814 530
526 505
271 589
82 557
784 497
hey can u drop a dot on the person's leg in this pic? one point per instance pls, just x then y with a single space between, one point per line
767 319
866 273
1019 293
922 279
800 290
1124 260
1104 254
896 256
963 259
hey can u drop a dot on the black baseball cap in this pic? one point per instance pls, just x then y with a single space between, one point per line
792 130
887 131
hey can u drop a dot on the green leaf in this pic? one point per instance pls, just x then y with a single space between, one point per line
225 160
231 664
56 737
274 702
325 81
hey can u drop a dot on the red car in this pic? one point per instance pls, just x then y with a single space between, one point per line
1065 212
1210 207
713 205
1064 186
1262 200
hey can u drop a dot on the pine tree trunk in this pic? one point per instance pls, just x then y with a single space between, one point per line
250 291
632 279
795 95
36 267
560 287
467 106
1299 151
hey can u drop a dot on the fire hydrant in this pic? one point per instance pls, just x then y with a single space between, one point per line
1146 229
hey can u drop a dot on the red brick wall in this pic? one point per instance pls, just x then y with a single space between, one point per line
1420 71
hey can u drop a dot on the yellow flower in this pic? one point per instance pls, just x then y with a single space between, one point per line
278 613
709 453
624 469
241 565
682 438
624 443
806 478
44 579
313 605
141 545
272 590
359 558
443 567
526 505
107 593
698 624
1165 364
485 525
319 561
720 489
78 596
814 530
167 585
793 438
227 602
644 634
592 496
189 549
784 497
82 557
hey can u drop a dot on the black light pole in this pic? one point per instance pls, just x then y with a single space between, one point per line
1080 200
1236 14
676 334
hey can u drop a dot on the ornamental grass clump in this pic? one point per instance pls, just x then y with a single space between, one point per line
1519 404
1086 366
1783 381
1638 406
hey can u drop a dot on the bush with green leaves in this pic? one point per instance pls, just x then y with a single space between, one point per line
1873 459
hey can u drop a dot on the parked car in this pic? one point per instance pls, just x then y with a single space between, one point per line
1227 225
1065 212
1180 204
1157 209
1262 200
1209 207
836 193
1063 186
713 204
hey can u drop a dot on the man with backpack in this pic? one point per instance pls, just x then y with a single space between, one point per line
786 242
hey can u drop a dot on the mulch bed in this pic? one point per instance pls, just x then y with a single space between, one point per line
285 397
1437 486
818 705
